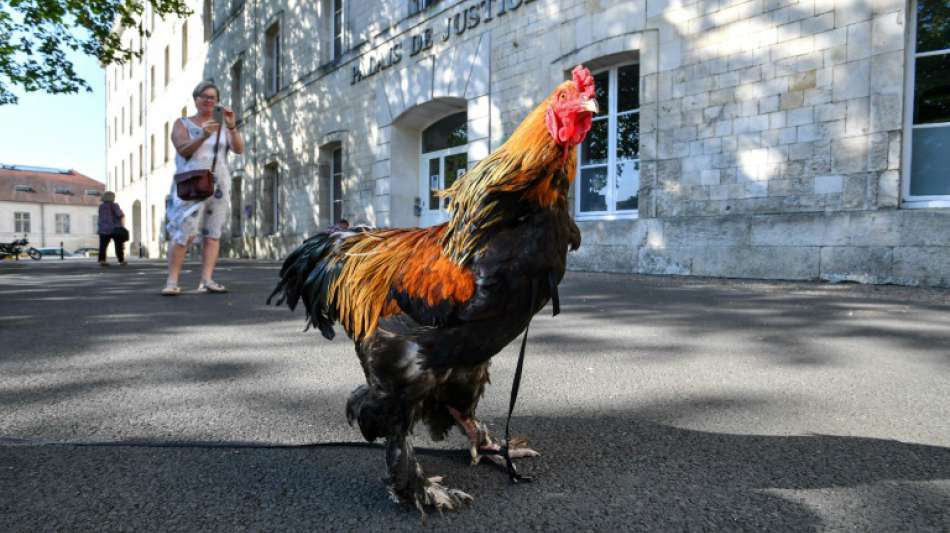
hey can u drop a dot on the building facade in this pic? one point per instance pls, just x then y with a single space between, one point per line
49 207
782 139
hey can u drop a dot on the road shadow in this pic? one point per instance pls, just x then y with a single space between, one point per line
605 472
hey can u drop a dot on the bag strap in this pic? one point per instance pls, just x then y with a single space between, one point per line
217 141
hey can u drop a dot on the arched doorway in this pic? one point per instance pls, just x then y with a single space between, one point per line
443 159
136 227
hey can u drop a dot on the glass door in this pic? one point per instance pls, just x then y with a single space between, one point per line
439 171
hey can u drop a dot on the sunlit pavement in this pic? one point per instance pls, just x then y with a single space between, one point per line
659 404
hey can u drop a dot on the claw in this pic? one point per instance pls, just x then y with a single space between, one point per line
441 497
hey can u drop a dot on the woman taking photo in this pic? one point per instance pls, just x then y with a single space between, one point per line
194 139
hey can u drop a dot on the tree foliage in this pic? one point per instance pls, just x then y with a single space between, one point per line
35 36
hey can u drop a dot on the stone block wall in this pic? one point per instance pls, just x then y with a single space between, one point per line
770 130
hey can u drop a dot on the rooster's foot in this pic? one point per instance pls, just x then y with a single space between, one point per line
484 447
492 452
434 494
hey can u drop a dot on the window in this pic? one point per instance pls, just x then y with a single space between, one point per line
270 204
184 44
928 124
23 188
151 152
206 19
444 159
141 103
115 129
62 223
122 165
141 162
123 121
66 191
167 142
21 222
608 169
336 177
417 6
93 192
237 88
131 120
151 86
154 233
272 59
236 201
168 65
337 30
131 174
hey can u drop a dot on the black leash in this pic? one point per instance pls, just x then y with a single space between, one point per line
516 384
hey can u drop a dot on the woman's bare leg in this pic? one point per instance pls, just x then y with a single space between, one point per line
176 257
209 257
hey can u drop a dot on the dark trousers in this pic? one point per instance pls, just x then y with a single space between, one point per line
104 242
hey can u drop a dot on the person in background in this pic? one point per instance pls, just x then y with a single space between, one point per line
110 218
194 140
342 225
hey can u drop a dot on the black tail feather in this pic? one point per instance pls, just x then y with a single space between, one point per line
308 273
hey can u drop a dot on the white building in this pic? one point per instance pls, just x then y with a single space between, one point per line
788 139
49 206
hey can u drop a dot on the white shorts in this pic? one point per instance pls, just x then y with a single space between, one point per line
188 219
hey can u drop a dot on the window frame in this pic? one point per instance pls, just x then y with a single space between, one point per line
184 44
62 223
272 181
207 19
168 65
419 6
272 51
336 52
21 220
612 117
237 87
336 173
907 200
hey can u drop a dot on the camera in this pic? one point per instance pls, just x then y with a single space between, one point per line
218 114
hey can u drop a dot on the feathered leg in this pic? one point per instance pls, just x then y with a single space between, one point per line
408 484
384 408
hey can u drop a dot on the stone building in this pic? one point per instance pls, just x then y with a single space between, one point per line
787 139
49 206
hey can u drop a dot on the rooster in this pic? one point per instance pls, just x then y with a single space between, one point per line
428 307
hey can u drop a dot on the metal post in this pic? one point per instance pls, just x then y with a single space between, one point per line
61 254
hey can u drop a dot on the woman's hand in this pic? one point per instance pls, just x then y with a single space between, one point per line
211 127
229 118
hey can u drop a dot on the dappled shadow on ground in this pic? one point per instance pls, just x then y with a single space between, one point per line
788 323
609 472
53 311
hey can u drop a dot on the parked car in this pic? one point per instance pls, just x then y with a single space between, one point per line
54 252
87 251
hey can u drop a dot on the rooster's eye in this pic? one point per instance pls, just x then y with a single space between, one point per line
563 96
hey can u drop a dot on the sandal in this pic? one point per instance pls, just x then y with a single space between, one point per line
171 290
211 287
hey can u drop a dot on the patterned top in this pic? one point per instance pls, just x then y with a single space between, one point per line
109 216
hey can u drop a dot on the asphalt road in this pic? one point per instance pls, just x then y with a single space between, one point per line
659 404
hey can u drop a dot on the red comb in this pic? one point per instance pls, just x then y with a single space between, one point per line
583 80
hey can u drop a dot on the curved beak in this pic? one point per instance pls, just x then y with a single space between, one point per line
590 105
